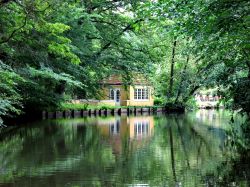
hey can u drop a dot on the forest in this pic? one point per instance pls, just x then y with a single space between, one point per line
53 50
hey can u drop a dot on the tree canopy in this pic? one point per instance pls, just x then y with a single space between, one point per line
52 50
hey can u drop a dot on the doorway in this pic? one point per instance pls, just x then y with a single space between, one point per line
115 94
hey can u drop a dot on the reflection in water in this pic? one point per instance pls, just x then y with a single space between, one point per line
174 150
133 127
121 130
115 128
141 128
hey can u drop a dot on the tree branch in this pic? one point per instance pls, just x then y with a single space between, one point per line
104 22
107 45
14 31
2 2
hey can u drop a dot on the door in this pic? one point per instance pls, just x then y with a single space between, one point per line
115 95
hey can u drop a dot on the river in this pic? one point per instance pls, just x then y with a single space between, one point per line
161 150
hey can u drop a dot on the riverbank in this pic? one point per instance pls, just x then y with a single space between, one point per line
70 110
109 111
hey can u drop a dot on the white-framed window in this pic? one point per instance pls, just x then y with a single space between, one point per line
141 93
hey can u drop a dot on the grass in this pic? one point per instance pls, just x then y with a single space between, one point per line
82 106
72 106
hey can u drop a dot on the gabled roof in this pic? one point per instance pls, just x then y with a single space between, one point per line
117 80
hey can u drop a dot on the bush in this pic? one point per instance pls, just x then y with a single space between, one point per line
158 101
191 104
106 107
73 106
84 106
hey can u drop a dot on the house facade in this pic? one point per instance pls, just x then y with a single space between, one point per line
116 93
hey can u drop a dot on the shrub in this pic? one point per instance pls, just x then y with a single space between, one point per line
73 106
106 107
158 101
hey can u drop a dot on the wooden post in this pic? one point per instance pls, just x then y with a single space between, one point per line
76 113
66 114
102 112
84 113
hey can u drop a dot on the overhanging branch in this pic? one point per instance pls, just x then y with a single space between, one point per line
15 31
107 45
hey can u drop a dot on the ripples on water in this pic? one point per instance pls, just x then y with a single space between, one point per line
172 150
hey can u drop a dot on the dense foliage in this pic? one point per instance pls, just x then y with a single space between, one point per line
209 47
52 50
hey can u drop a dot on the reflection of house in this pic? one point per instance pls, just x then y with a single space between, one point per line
133 128
140 126
115 128
116 92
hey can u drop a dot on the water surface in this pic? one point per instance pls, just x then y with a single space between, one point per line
172 150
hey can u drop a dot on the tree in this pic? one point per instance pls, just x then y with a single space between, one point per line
65 49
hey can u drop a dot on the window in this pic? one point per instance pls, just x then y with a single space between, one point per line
111 94
135 94
141 94
117 96
146 94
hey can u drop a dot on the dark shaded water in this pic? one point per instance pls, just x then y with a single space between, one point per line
173 150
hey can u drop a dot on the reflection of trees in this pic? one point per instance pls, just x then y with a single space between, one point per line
46 150
180 151
188 142
235 170
182 142
172 153
186 145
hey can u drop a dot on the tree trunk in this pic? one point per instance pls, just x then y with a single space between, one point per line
181 81
172 69
191 93
60 88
